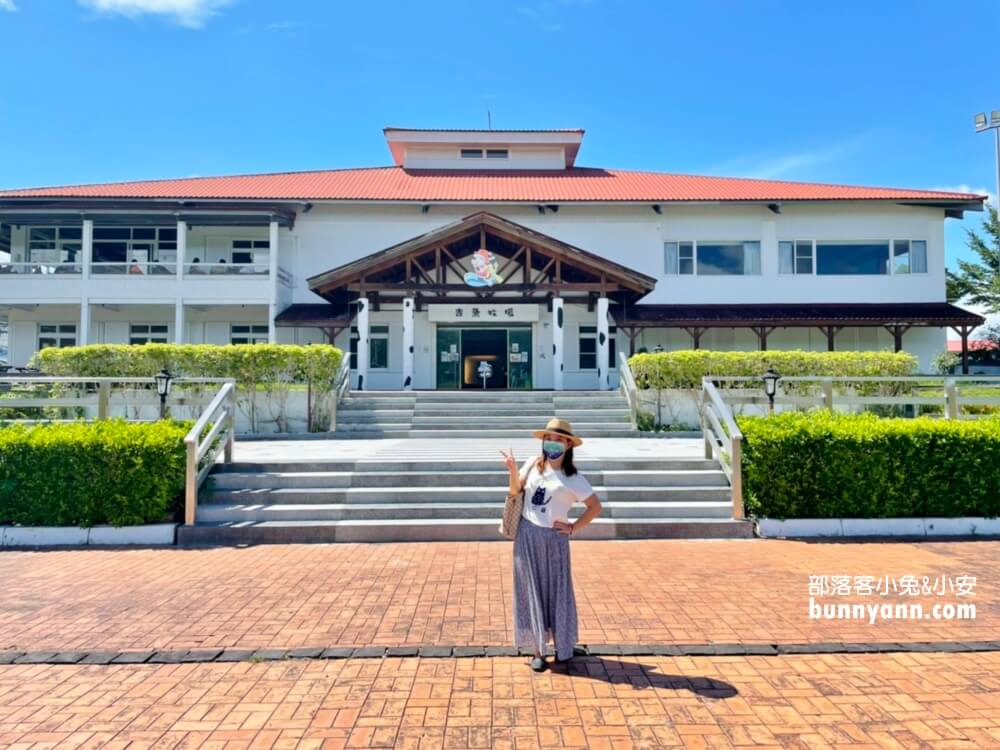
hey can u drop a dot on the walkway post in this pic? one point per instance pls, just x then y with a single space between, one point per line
557 343
407 343
603 366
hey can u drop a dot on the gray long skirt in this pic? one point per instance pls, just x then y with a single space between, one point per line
544 603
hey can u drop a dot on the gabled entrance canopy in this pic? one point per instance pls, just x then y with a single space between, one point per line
533 267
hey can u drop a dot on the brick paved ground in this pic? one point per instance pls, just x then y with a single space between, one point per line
752 591
930 701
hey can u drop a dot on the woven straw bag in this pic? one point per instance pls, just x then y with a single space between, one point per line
513 508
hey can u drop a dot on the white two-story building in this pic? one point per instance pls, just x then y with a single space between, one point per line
480 246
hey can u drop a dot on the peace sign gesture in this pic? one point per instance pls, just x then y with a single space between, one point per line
509 461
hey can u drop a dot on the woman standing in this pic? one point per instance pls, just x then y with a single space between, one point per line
544 603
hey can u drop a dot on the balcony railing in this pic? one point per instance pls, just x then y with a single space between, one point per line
228 269
40 269
135 268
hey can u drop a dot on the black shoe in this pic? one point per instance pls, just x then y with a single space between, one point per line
539 664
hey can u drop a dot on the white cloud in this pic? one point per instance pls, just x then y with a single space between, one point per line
790 166
190 13
8 5
964 188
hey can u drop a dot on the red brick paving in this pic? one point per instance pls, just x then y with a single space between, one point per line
837 702
284 596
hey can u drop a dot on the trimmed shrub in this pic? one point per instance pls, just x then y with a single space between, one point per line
264 373
819 464
81 474
685 369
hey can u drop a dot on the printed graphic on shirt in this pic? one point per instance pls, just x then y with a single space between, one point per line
538 499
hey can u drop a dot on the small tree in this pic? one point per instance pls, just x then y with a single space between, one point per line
979 282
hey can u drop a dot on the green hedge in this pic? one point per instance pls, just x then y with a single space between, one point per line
264 373
819 464
82 474
685 369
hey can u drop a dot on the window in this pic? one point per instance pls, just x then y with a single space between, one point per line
795 257
678 258
55 244
125 244
588 347
251 251
378 347
855 258
248 334
147 333
712 258
497 153
909 256
56 335
472 153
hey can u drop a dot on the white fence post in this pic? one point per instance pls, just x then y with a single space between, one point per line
950 399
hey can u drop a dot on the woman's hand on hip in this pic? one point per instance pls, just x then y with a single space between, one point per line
563 527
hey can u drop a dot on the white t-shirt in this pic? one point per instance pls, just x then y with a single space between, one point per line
549 495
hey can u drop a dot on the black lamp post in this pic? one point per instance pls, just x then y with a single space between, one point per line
658 348
771 379
163 381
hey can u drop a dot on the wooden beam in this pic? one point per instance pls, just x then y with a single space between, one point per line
762 333
964 332
510 261
633 334
527 265
542 274
897 330
695 332
831 334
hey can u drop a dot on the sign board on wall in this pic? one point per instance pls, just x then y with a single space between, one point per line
482 313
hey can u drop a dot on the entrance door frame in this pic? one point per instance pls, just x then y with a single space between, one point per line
530 327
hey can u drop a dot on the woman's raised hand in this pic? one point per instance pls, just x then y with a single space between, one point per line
509 461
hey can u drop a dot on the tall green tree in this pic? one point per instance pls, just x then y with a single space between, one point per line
979 281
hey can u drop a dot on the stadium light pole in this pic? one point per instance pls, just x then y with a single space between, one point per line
982 125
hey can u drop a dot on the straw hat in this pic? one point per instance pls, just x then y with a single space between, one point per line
558 427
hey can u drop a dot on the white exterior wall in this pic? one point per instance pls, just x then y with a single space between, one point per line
331 235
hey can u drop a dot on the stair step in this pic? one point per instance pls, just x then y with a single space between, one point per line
430 495
456 529
244 512
585 465
495 479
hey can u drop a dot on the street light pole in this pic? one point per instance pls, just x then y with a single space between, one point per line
994 124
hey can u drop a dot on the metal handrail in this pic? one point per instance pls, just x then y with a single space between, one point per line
723 440
626 382
202 452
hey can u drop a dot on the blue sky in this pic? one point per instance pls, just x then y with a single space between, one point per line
879 93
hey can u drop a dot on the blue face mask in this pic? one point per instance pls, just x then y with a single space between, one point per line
553 449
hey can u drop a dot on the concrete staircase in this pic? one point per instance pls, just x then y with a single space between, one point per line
436 475
454 500
431 414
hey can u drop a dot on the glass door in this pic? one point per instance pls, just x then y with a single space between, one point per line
519 359
448 357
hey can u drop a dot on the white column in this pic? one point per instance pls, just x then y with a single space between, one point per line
362 343
87 250
603 371
407 343
83 335
272 307
180 332
558 327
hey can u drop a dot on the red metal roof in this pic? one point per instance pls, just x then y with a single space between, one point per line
577 184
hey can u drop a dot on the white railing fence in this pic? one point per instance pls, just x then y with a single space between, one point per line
723 440
214 432
626 382
341 386
951 397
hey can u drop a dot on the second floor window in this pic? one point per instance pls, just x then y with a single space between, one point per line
55 244
705 258
141 244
